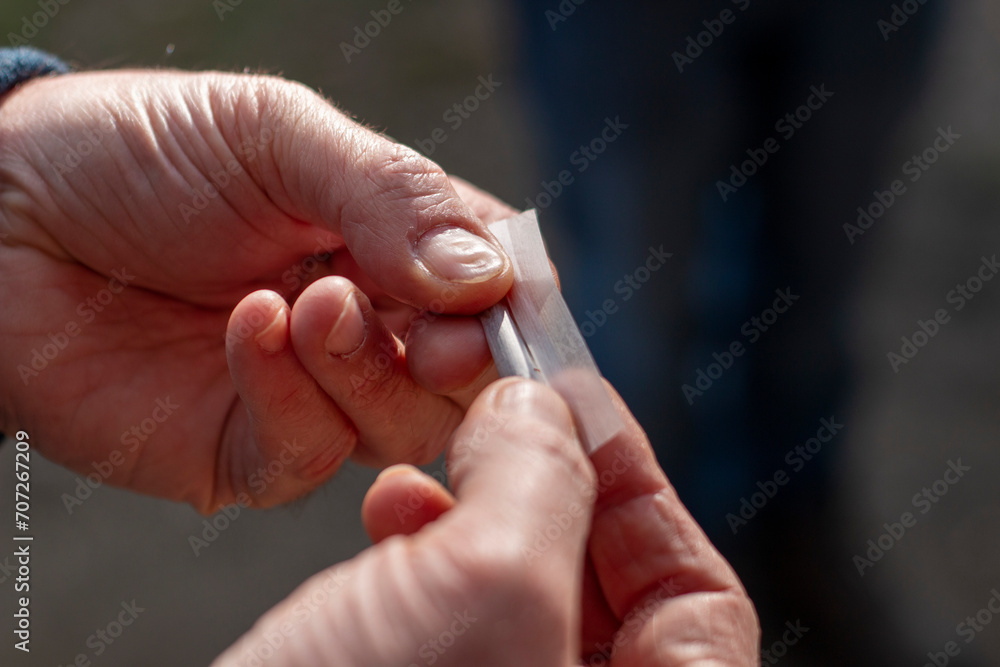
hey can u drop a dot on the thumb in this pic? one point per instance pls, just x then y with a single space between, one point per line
402 501
397 211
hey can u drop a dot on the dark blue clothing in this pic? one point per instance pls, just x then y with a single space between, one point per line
700 95
23 63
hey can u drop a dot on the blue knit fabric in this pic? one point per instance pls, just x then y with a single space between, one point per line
23 63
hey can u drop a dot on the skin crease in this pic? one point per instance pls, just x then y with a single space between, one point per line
464 580
303 180
215 361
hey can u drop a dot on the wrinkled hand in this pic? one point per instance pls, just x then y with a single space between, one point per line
203 275
540 558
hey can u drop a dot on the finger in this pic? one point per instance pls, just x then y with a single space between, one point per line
396 315
290 437
515 462
649 554
516 458
402 501
450 356
599 623
524 490
489 208
397 211
358 362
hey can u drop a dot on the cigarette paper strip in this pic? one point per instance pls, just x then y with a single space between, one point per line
533 334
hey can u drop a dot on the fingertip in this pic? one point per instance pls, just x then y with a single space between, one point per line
410 230
522 398
350 329
261 317
290 433
330 310
341 341
447 354
401 501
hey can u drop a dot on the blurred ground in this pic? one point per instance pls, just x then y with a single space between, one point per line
942 405
120 546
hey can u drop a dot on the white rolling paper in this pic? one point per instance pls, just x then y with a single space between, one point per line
533 334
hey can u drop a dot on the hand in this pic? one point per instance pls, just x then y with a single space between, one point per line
156 226
540 558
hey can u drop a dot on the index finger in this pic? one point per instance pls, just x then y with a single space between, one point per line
650 554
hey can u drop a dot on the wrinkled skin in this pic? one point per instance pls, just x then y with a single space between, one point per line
217 291
201 194
540 557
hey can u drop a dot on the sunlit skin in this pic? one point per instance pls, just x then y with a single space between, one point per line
633 578
222 274
322 182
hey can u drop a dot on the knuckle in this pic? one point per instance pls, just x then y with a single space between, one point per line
331 456
381 386
268 111
399 175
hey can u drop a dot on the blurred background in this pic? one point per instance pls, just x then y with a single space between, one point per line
741 136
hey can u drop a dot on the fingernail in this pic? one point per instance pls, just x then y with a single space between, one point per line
274 336
459 256
348 332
